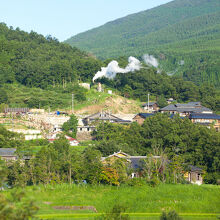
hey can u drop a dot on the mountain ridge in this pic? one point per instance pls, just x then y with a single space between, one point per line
155 30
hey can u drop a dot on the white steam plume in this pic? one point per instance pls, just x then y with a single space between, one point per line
150 60
113 68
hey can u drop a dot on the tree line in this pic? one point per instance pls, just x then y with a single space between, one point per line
161 87
193 143
37 61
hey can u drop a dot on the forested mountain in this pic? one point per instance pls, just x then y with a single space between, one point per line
161 87
37 61
182 30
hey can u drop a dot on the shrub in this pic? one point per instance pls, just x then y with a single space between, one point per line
115 214
136 182
172 215
212 178
153 182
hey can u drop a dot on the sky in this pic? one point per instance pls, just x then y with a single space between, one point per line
65 18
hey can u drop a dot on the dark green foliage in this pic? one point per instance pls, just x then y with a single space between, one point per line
55 163
92 165
145 81
180 30
3 96
212 178
9 139
162 102
70 127
171 215
17 207
116 213
37 61
3 172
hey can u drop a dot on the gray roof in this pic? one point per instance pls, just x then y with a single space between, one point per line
145 115
150 104
102 116
195 169
204 116
18 110
7 152
137 162
194 107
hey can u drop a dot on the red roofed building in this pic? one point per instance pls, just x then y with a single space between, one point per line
72 141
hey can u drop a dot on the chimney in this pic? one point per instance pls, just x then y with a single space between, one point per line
99 87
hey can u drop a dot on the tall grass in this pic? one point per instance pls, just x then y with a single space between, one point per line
189 199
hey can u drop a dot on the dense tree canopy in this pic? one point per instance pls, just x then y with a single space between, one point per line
38 61
9 139
197 145
137 85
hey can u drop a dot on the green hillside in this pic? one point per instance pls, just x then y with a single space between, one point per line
37 71
186 30
37 61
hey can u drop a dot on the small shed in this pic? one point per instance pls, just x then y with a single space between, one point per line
153 107
8 154
194 175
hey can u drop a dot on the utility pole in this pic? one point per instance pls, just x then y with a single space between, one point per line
148 102
72 103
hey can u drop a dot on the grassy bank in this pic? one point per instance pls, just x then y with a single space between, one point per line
20 95
145 202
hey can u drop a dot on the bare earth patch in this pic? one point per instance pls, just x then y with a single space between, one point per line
92 208
116 105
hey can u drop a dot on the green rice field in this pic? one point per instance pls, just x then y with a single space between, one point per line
143 202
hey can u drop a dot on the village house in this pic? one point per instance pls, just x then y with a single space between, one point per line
140 117
8 154
135 163
207 120
29 134
89 123
72 141
186 109
16 111
194 175
103 116
85 128
153 107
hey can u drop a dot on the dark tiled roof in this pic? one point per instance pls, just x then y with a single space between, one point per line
172 116
186 108
137 162
122 121
102 116
195 169
204 116
145 115
150 104
7 151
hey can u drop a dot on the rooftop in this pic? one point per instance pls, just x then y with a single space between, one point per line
150 104
7 151
193 107
204 116
145 115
